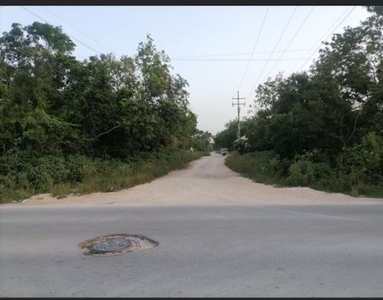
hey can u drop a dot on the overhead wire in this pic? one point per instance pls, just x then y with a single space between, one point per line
73 77
236 54
288 45
36 15
331 33
204 107
52 66
184 58
314 50
287 24
255 45
85 84
106 47
237 59
56 69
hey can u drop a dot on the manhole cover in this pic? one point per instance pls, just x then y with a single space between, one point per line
115 244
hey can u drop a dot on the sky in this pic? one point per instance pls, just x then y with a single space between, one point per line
219 50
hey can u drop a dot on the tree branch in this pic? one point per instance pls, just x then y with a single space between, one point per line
108 130
356 119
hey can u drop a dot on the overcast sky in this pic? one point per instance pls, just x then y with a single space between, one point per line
209 46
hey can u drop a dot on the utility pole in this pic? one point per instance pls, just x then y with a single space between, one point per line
239 110
1 19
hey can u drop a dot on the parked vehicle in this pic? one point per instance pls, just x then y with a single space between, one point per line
224 151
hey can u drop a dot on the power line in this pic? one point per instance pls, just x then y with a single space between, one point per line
255 45
81 81
273 51
238 59
235 54
204 107
296 33
320 39
314 52
67 34
106 47
56 69
86 84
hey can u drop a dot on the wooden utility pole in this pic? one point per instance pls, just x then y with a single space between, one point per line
239 110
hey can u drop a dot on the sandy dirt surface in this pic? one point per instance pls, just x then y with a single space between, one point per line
204 181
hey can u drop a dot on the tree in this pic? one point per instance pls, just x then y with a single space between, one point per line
227 137
202 140
33 83
103 106
354 60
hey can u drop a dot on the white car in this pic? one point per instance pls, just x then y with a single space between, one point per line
224 151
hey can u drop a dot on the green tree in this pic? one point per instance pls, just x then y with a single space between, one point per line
202 140
227 137
354 60
33 83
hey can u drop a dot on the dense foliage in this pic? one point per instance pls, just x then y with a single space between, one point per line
324 125
59 113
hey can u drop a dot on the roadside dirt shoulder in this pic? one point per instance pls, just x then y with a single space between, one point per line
205 181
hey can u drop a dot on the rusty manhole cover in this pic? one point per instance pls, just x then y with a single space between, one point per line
115 244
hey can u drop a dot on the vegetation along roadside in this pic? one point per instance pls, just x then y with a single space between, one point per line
100 124
321 128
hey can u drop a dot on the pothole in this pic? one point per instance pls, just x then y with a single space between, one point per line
115 244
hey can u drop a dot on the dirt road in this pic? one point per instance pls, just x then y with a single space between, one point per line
205 181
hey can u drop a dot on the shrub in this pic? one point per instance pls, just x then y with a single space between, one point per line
361 165
22 175
301 173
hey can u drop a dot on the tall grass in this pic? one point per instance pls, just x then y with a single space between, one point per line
265 167
83 175
261 167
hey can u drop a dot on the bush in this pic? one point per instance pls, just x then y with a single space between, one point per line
359 170
310 169
264 167
76 167
361 165
301 173
56 167
22 175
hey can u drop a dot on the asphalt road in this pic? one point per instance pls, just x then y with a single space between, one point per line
218 250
